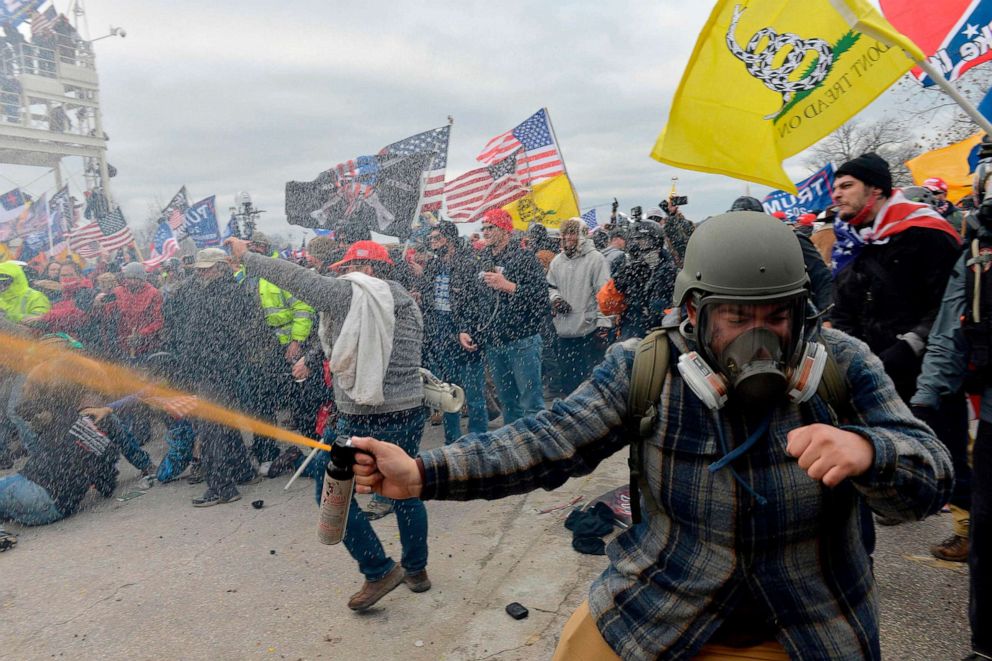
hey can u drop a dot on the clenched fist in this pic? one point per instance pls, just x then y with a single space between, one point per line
829 454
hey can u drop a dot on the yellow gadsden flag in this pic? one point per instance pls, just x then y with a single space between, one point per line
768 78
549 203
953 163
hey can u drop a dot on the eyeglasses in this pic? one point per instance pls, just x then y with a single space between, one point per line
486 228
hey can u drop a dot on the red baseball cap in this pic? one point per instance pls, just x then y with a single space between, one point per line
364 251
807 219
936 184
780 215
498 218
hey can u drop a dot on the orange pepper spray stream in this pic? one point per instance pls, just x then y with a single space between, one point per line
20 354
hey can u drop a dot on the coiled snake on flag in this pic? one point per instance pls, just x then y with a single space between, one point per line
759 64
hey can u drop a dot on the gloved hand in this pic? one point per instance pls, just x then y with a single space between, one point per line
560 306
901 364
929 416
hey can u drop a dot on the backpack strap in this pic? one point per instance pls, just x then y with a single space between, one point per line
834 390
647 378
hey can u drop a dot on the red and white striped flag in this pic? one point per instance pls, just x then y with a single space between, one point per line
435 142
175 211
540 158
116 233
482 189
44 23
85 240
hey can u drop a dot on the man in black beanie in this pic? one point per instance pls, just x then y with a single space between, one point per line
891 263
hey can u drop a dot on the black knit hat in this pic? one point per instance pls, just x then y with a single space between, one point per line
870 169
448 230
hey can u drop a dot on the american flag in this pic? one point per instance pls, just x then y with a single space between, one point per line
84 240
164 245
44 23
434 141
116 233
13 199
482 189
540 159
175 211
589 218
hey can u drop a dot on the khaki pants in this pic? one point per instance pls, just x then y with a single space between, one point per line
581 641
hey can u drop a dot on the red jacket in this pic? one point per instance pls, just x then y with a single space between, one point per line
137 313
65 316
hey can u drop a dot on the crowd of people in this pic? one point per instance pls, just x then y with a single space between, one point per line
760 490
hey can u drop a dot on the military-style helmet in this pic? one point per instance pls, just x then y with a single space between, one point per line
921 195
745 256
649 230
747 203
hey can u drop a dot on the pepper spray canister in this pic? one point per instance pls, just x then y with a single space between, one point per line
335 501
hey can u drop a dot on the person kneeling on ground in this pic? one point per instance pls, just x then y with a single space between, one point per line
73 448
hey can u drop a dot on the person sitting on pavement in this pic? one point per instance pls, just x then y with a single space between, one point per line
753 544
74 450
378 390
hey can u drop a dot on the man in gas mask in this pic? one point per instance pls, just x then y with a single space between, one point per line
959 356
645 280
750 488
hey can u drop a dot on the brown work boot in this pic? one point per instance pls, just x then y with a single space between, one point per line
418 581
952 549
373 591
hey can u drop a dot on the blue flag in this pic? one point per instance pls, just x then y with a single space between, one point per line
814 195
201 223
985 107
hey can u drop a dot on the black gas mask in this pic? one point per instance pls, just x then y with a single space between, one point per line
760 366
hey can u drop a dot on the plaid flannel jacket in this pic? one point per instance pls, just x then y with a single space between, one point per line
673 579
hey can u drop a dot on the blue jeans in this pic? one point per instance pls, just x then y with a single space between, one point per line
516 371
24 501
452 364
576 358
404 428
472 379
179 437
29 440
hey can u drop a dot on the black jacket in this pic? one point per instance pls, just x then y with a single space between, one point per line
892 289
511 317
223 347
466 296
647 293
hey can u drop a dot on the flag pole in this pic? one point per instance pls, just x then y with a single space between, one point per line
937 77
564 167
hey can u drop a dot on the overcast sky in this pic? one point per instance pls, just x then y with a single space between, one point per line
227 96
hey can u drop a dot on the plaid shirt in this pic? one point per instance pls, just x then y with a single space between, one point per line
675 578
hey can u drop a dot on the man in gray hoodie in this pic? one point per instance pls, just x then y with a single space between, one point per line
393 412
574 277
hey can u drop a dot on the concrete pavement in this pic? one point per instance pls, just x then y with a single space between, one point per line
154 578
